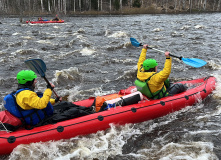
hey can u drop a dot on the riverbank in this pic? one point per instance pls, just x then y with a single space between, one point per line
124 11
147 10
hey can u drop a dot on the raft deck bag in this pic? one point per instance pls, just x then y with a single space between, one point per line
8 122
99 101
129 99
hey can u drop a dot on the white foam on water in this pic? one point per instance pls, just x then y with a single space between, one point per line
23 52
127 44
107 32
2 106
157 30
216 94
119 34
81 30
100 145
66 54
204 131
100 92
128 72
82 38
27 37
16 33
122 60
87 52
214 65
185 27
45 42
199 26
187 151
65 75
217 91
215 113
69 74
56 27
151 125
1 52
40 150
103 144
176 34
74 92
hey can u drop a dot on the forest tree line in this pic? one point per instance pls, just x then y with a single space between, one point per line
69 7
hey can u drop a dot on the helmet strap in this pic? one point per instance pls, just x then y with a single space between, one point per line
28 84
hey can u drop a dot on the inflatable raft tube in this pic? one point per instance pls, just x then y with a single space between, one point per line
34 22
135 113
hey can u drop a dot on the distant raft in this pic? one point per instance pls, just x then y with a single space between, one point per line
128 107
45 21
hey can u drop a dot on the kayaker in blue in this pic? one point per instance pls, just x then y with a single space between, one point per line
152 84
37 108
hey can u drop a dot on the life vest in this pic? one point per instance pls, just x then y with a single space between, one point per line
143 87
32 116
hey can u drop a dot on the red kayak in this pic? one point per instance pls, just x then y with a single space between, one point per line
135 113
45 21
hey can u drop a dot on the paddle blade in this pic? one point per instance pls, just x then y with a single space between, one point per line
134 42
194 62
37 65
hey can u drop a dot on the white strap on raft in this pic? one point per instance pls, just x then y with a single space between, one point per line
5 127
129 99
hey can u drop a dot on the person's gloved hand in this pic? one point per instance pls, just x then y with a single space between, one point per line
167 54
58 99
51 86
145 46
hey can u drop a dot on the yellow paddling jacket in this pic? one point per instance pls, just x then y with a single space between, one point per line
156 82
30 100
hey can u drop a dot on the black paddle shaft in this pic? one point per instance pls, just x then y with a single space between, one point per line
169 54
180 57
50 84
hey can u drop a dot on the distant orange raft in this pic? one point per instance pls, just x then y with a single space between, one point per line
142 111
45 21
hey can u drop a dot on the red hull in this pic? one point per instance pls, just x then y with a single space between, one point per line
34 22
143 111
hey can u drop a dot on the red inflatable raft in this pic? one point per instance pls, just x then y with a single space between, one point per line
142 111
44 21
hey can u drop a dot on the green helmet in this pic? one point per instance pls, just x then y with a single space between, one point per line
25 76
149 63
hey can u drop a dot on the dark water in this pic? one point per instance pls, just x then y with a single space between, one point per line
92 56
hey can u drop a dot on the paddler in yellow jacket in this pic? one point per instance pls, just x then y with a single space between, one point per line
37 108
152 84
29 99
31 106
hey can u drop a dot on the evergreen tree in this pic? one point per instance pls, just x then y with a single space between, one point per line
116 4
137 3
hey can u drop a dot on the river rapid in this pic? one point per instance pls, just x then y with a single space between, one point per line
93 56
